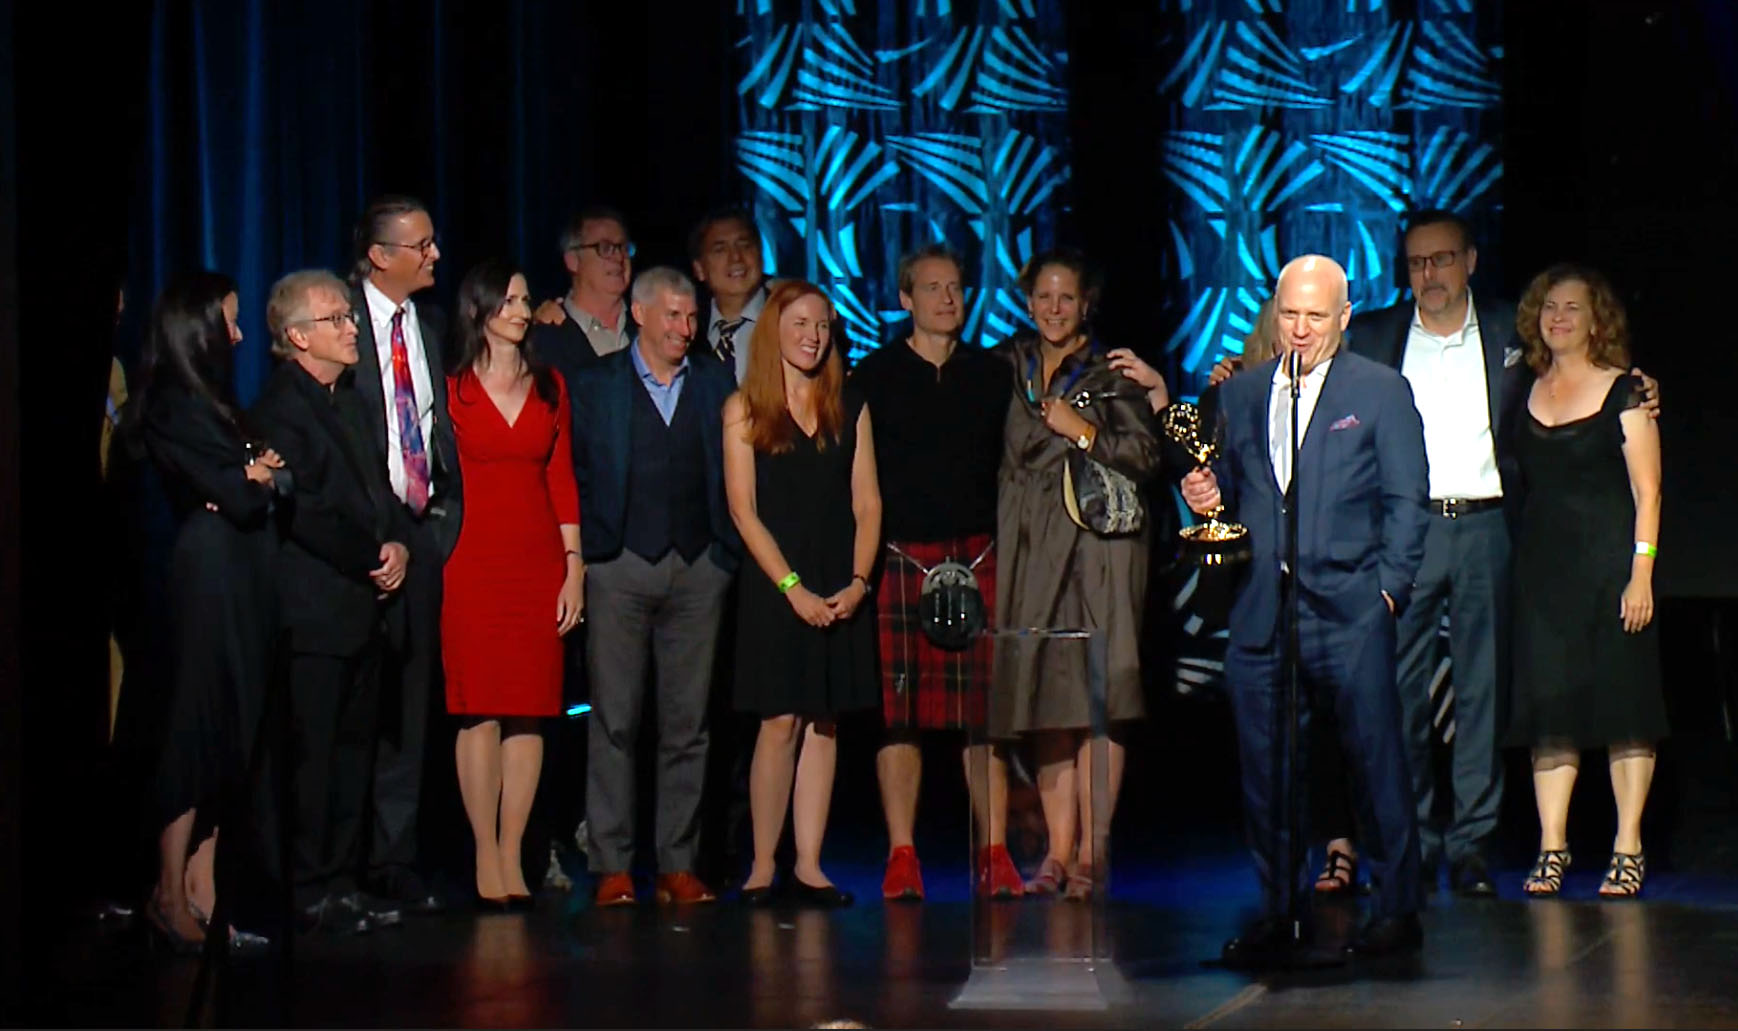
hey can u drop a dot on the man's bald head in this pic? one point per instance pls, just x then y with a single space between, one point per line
1325 269
1310 308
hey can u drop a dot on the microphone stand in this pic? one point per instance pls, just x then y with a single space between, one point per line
1294 904
1291 826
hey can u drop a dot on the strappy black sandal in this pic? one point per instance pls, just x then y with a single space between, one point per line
1546 877
1339 876
1623 878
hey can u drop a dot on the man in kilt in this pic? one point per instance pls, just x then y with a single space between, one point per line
939 406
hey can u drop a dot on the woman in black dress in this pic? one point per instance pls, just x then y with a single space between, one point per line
799 470
220 588
1586 658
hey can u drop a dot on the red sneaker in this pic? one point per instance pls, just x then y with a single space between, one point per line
997 876
904 881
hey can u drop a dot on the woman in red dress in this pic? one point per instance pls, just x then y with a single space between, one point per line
513 583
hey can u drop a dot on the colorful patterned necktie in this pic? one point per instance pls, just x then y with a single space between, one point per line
726 347
410 444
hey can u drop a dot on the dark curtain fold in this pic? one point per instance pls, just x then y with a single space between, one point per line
270 125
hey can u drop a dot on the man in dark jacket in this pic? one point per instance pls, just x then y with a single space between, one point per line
342 564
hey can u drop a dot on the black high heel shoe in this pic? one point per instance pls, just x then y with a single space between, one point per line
830 896
521 903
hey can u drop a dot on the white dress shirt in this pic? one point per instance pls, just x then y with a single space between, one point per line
1279 416
605 339
750 315
380 310
1447 374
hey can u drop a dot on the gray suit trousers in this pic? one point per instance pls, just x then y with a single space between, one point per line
667 611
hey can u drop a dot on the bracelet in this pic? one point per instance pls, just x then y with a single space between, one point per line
576 554
1644 548
791 580
867 587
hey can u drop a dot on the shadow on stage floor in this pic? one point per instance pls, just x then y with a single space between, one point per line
1572 962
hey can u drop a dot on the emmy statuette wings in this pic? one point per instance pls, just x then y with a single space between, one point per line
1212 543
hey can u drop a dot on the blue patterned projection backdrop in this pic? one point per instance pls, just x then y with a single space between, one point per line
868 128
1311 126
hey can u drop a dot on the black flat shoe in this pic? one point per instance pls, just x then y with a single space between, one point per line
829 897
485 904
521 903
757 897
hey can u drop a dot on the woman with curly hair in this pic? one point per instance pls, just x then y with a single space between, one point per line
1586 652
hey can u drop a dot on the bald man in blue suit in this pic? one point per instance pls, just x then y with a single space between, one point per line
1360 490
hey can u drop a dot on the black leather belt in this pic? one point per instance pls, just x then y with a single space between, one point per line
1454 508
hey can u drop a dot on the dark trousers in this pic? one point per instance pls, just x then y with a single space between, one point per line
335 706
407 692
1354 665
668 611
1331 809
1466 572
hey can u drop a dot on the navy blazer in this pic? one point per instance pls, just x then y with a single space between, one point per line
601 396
1362 486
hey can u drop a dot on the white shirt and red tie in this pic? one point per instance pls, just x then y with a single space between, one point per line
409 394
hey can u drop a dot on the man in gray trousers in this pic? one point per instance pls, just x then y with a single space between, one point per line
659 548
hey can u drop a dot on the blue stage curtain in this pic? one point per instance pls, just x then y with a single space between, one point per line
270 125
868 129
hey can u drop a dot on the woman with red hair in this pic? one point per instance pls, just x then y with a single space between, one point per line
799 472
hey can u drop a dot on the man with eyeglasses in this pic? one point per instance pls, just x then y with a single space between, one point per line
591 320
400 378
1453 349
340 571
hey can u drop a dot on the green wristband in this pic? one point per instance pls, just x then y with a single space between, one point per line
1644 548
791 580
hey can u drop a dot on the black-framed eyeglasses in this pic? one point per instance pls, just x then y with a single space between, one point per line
421 246
337 319
606 248
1441 259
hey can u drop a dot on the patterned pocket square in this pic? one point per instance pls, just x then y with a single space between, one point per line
1344 424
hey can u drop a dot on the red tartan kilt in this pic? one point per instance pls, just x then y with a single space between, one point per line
924 686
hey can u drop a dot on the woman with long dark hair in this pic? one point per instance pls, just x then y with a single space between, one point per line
514 582
799 472
221 485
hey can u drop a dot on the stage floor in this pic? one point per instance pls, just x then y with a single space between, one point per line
1573 962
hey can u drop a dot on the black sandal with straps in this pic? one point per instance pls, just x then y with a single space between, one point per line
1339 875
1546 877
1623 878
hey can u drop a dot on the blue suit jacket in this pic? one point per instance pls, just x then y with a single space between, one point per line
1362 485
602 396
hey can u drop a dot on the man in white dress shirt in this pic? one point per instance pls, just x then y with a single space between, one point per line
401 380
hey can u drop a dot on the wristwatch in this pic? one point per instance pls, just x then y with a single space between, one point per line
1084 441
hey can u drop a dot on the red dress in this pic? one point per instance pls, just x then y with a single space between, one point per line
499 644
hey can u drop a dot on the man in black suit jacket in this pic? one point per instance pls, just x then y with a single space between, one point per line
411 435
591 321
724 248
341 566
659 547
1452 349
